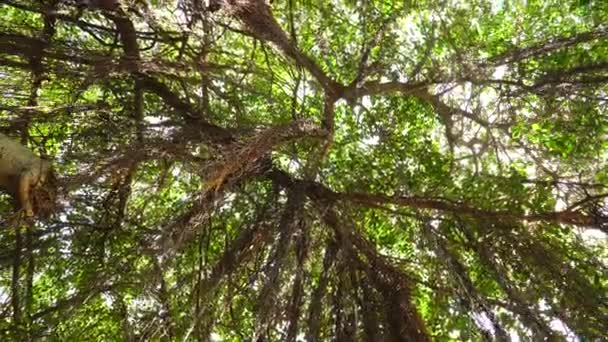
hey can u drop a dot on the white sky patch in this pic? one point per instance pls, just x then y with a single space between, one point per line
409 31
559 326
303 89
4 295
514 336
499 72
153 120
228 200
397 70
293 166
370 141
454 334
366 102
497 5
70 291
487 98
593 235
181 18
176 171
560 204
483 321
107 299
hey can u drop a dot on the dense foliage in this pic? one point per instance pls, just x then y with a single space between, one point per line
309 170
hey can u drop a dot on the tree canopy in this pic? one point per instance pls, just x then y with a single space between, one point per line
367 170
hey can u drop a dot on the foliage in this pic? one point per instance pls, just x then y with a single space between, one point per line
348 170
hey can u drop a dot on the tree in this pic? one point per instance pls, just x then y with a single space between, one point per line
348 170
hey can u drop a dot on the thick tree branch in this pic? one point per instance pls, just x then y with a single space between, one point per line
319 192
258 19
521 54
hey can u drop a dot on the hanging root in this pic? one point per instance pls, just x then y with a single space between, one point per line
257 18
244 156
44 201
